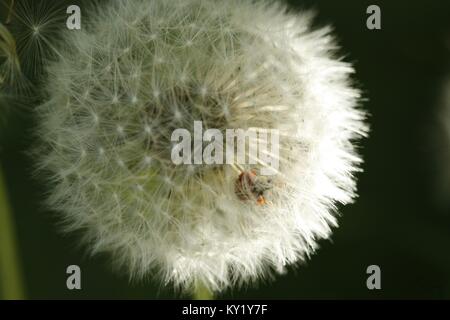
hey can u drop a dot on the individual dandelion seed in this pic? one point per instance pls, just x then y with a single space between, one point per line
37 26
32 31
140 70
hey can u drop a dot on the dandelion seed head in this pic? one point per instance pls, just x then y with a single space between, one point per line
192 224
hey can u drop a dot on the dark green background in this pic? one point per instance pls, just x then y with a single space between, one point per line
396 223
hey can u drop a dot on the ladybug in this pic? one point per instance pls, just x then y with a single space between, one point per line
250 186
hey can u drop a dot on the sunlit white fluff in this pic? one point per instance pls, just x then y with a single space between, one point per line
141 69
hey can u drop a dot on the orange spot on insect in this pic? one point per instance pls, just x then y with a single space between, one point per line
261 200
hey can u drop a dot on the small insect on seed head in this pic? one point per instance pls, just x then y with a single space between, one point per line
251 186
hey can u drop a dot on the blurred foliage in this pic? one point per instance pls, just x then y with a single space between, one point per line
395 223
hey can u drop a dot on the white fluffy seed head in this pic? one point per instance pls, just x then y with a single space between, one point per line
149 67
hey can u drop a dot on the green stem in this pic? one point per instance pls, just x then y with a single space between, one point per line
10 12
201 292
10 275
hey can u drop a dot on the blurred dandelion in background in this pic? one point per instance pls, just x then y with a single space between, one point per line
28 32
12 81
441 143
440 134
